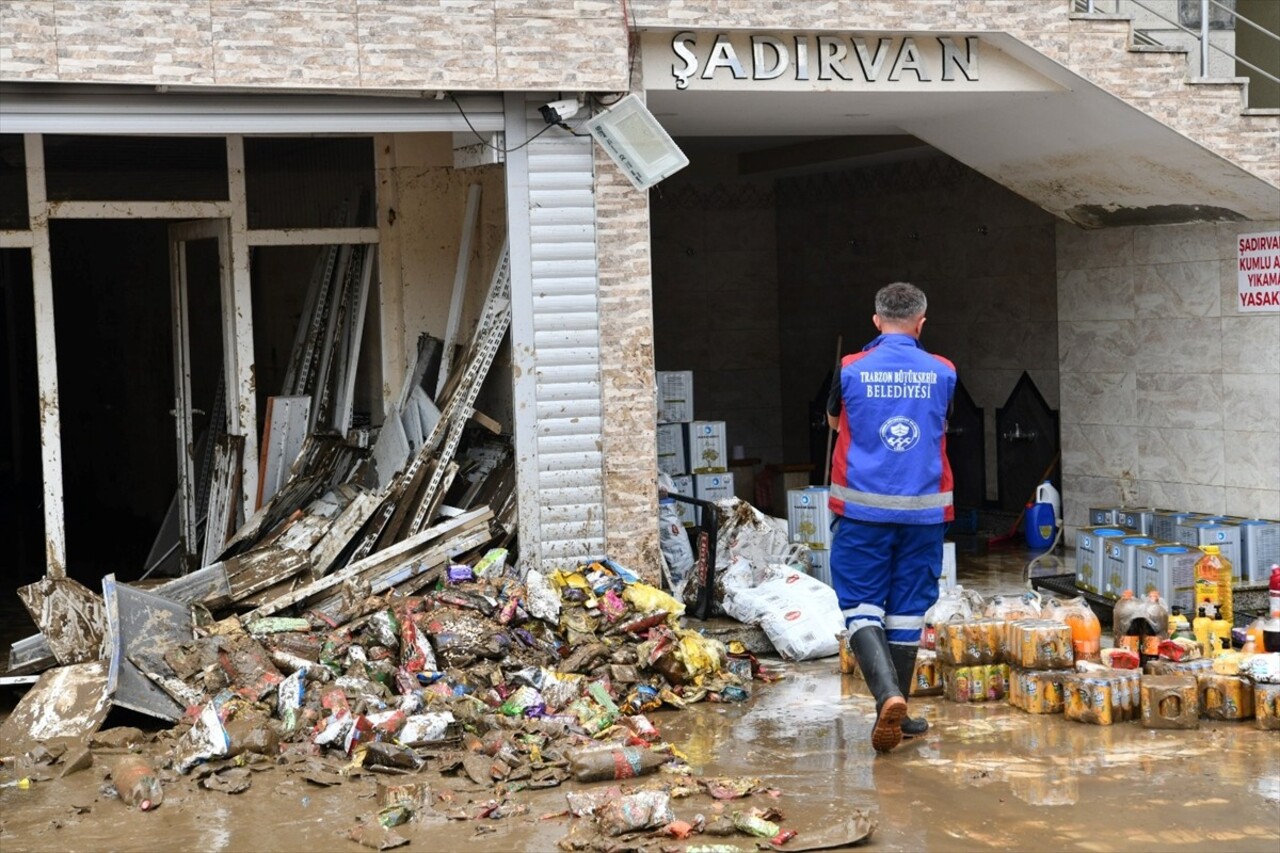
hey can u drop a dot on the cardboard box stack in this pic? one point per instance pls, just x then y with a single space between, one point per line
694 453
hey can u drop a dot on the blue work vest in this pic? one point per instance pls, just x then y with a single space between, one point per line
890 461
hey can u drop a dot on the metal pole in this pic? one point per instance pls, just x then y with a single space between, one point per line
1204 38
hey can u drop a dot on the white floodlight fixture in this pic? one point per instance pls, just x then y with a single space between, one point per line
635 140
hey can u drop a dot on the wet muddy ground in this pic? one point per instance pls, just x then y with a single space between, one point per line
985 777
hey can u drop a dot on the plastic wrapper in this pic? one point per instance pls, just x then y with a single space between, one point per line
629 762
205 740
1179 649
754 825
632 812
1262 669
1037 691
1185 667
969 642
542 601
1228 663
1040 644
289 698
1266 703
677 552
1170 702
1101 700
926 679
426 728
977 683
1086 630
492 564
649 599
1225 697
1121 659
954 602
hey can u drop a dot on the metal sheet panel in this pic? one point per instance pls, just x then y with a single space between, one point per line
555 335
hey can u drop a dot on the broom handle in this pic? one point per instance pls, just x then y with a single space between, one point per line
826 465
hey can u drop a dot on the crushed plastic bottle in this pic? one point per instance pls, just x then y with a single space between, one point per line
136 782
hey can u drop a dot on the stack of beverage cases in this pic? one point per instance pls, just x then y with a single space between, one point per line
1048 657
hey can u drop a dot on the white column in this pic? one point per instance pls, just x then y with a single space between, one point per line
55 538
237 327
390 286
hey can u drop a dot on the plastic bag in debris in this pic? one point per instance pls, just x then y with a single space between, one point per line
426 728
650 599
205 740
641 810
543 601
742 598
1262 669
492 564
743 532
677 553
803 616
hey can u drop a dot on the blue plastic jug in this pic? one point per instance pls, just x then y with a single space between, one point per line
1041 525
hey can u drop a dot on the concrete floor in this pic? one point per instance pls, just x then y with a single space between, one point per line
985 777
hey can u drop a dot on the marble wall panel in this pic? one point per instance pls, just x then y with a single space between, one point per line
1187 344
1079 249
1180 455
1177 290
1099 398
1251 344
1251 403
1168 244
1097 346
1100 451
1180 401
1252 503
1097 293
1184 496
1251 460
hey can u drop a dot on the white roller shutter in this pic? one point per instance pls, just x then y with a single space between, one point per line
555 340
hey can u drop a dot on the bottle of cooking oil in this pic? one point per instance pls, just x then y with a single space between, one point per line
1213 579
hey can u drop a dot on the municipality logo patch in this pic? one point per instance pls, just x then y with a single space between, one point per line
899 433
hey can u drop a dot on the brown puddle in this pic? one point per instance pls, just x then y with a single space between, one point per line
985 777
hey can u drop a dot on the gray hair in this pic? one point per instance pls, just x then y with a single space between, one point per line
900 301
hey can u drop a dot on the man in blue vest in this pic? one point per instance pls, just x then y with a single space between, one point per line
891 497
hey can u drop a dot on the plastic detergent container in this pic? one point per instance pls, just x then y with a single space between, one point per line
1042 517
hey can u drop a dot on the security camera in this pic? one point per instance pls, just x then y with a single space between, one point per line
558 111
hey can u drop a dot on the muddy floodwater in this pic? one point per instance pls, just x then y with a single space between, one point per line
985 777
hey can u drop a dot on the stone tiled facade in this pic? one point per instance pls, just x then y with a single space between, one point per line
553 44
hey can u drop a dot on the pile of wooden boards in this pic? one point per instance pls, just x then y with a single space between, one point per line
347 520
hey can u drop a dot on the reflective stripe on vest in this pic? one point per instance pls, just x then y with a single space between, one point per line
870 499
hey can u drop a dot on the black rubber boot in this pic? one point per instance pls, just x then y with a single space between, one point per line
904 662
871 648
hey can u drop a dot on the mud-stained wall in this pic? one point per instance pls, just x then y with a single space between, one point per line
553 44
1170 397
627 390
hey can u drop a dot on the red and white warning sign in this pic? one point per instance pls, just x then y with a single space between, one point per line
1258 263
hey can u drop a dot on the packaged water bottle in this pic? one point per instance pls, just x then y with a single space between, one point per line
136 782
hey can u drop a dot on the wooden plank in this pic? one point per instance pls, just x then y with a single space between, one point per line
224 496
344 529
400 549
257 570
139 621
285 426
487 422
